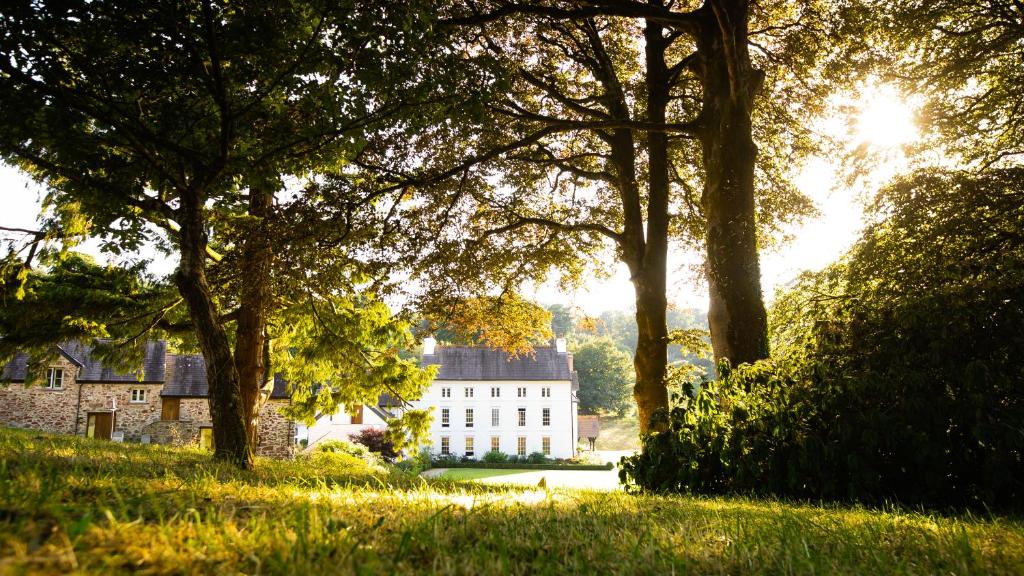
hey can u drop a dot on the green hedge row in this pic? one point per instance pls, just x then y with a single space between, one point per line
521 466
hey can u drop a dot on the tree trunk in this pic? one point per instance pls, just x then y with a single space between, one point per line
230 440
737 317
254 303
649 272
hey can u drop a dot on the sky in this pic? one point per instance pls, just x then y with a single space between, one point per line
882 120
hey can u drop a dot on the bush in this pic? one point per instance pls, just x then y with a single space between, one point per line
376 440
343 447
495 457
537 458
899 369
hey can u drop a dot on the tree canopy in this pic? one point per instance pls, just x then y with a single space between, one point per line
191 127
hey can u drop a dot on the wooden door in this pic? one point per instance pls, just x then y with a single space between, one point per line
100 424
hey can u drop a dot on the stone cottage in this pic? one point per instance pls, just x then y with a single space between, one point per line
164 403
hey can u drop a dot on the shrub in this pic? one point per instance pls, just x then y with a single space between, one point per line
898 370
536 458
376 440
495 457
357 450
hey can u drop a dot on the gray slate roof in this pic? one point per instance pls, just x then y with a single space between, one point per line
188 379
91 369
188 372
479 363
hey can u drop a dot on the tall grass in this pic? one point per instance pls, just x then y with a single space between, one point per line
76 505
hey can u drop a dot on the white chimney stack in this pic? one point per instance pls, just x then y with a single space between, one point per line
560 345
429 343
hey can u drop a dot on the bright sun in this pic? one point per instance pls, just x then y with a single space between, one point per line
885 119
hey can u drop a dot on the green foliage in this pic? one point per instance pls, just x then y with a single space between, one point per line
536 458
961 58
351 448
495 457
899 370
75 298
606 377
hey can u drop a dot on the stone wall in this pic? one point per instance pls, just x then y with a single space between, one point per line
66 411
130 417
39 408
193 414
277 433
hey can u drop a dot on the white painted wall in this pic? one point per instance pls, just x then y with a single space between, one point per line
561 431
338 426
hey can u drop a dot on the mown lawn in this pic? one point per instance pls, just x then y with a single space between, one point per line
75 505
479 473
617 433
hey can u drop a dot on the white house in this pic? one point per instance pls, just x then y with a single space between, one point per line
484 400
341 425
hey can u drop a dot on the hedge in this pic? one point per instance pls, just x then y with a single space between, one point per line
521 466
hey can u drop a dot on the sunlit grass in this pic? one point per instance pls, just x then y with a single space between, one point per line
70 504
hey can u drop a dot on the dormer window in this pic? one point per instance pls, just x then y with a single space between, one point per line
54 379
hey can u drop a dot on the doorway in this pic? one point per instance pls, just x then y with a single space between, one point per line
99 425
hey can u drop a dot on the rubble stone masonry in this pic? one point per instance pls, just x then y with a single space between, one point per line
130 417
66 411
39 408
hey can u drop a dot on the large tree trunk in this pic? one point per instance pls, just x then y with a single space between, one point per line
231 443
254 303
739 327
649 271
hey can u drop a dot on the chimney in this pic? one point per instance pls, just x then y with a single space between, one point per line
560 345
428 346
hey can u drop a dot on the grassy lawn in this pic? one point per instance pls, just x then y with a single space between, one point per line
618 433
478 473
75 505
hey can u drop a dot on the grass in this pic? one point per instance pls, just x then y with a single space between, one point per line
77 505
478 473
618 433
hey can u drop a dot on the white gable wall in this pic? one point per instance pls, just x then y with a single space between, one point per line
561 430
339 426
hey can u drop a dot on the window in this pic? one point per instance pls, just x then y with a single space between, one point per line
522 416
138 395
54 379
521 446
495 392
469 445
545 417
469 391
446 417
469 417
356 416
495 443
545 392
170 408
446 445
545 445
495 417
446 392
521 392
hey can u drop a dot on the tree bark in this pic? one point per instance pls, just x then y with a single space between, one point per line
254 304
736 315
231 443
648 268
